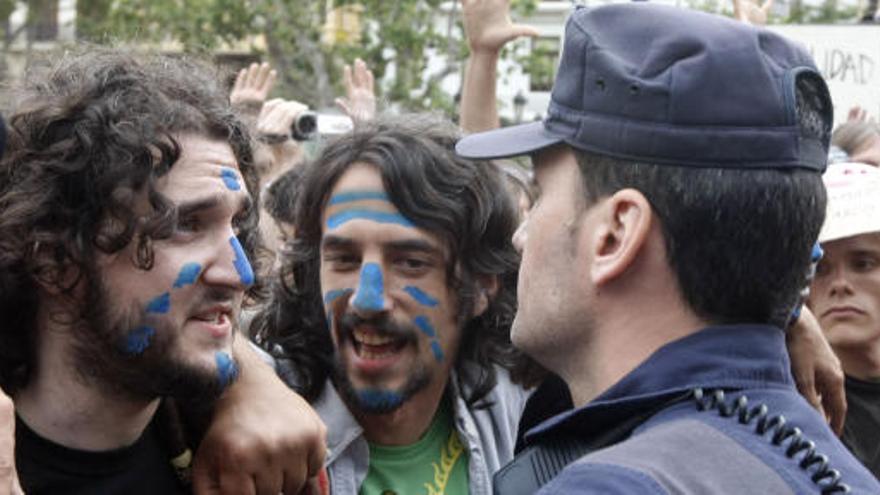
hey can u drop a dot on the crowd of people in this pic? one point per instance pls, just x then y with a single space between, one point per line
678 295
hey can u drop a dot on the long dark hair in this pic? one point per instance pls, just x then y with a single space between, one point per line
461 201
91 133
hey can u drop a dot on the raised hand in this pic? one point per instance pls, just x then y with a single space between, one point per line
751 12
488 27
360 95
252 85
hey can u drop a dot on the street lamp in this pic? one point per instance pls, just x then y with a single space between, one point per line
519 106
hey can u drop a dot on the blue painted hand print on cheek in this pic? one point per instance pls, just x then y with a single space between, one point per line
370 293
332 295
425 326
420 296
437 350
189 273
226 368
138 340
242 265
230 178
160 304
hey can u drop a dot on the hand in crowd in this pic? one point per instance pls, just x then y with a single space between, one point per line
488 27
751 12
8 476
253 84
858 114
360 95
263 439
277 115
817 369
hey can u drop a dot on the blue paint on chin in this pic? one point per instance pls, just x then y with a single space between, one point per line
227 370
425 326
370 293
160 304
420 296
349 196
438 351
230 178
242 265
332 295
138 340
188 275
379 400
340 218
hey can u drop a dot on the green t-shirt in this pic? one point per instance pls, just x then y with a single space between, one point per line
436 464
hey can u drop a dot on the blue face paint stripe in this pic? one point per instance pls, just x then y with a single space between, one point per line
241 263
340 218
370 293
160 304
438 352
425 326
420 296
335 294
230 178
226 368
374 399
350 196
138 340
189 273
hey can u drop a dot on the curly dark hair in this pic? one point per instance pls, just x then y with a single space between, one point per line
89 134
461 201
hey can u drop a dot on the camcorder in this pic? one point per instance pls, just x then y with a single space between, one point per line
309 125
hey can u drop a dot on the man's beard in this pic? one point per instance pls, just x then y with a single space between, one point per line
377 400
100 358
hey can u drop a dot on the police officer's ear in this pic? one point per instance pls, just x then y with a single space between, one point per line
487 288
617 234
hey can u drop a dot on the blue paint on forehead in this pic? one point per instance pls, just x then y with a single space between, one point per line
241 263
350 196
370 293
160 304
340 218
227 370
380 399
438 352
230 178
420 296
425 326
335 294
138 340
188 275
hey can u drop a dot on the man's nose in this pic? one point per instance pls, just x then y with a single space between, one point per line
370 295
230 266
839 284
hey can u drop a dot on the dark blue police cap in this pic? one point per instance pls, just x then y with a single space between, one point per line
666 85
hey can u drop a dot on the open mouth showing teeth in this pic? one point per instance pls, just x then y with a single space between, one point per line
213 318
372 345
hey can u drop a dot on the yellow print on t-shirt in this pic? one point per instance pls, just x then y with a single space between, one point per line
449 455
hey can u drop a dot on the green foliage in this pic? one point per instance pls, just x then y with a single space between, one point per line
288 33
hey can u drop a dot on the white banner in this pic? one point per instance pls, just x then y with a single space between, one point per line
849 58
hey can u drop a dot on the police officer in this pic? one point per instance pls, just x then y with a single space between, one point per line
680 193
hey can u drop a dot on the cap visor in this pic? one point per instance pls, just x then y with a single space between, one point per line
506 142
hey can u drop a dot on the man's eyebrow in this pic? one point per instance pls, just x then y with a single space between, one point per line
331 241
245 203
415 245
